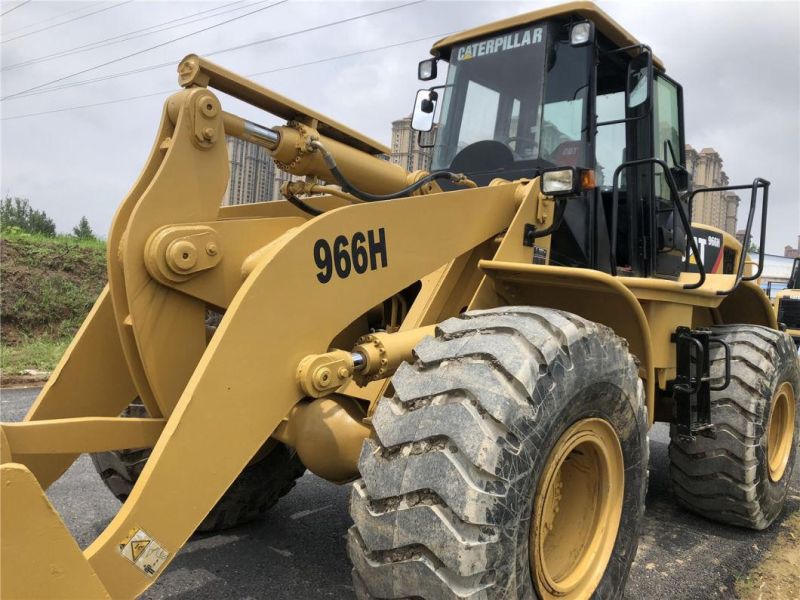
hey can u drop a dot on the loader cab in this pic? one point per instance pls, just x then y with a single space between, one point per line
559 95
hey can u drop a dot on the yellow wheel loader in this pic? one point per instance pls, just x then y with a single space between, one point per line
481 348
786 303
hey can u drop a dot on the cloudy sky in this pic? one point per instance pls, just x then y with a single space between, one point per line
739 63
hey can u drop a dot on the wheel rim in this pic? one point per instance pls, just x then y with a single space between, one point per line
577 511
780 431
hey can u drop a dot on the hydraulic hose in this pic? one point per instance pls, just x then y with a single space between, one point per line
330 163
307 208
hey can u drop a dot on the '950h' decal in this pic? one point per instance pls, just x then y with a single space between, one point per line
358 253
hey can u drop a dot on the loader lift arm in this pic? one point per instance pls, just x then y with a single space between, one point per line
249 368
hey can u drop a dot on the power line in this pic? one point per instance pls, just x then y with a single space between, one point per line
173 40
275 70
212 53
65 22
48 19
13 8
125 37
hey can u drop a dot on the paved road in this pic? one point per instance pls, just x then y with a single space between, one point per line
298 551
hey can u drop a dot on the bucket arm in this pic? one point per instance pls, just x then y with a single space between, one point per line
305 281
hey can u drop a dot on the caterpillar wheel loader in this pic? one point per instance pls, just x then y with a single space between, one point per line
481 349
786 304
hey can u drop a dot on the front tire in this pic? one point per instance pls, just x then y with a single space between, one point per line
257 488
460 491
741 477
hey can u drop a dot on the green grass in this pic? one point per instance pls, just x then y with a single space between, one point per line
41 354
47 286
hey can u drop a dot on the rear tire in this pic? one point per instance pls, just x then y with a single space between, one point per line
729 479
453 479
257 488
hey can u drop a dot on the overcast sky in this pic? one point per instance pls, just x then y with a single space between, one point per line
739 63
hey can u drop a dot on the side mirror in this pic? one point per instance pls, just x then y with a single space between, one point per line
640 79
424 110
681 178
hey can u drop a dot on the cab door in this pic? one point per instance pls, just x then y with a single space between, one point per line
668 239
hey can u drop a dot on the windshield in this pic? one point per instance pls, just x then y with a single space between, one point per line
487 99
499 113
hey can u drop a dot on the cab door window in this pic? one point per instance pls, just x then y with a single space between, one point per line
666 130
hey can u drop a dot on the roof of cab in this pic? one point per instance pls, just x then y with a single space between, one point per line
587 10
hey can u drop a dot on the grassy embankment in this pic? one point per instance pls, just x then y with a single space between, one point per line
47 286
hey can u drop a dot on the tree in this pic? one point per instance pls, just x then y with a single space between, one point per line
17 212
82 230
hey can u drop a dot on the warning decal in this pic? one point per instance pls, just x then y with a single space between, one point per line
143 551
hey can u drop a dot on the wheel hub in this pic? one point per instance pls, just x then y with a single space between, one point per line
577 510
780 431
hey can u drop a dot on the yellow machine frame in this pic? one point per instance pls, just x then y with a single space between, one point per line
280 365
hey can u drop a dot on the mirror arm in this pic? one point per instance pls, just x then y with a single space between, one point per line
625 120
419 138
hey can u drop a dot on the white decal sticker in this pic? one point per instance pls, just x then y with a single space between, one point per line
501 43
143 551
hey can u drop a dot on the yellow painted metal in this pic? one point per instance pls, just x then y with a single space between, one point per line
369 173
321 374
80 434
385 352
53 569
92 378
259 388
146 336
328 434
661 321
789 294
587 10
5 450
171 340
197 71
748 304
577 511
236 240
729 244
780 430
178 253
279 208
116 277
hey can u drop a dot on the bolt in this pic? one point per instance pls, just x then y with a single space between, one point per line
208 134
211 249
181 255
207 106
322 378
344 372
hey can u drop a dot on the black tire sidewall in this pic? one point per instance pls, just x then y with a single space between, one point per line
569 404
772 494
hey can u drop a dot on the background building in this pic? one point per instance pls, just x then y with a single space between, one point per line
714 208
405 150
790 252
252 173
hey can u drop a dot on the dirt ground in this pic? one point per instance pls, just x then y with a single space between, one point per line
777 576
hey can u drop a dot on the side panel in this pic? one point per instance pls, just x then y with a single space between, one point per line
748 304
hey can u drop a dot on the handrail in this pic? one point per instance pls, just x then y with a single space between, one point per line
674 196
758 183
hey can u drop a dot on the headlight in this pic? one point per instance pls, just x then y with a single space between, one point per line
580 34
427 69
559 182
